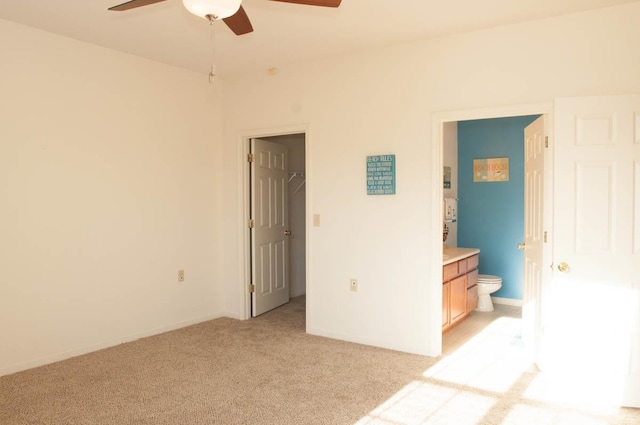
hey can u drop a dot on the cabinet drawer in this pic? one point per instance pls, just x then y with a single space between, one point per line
462 266
472 262
472 278
449 271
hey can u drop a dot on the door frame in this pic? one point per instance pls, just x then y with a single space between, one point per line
438 119
244 205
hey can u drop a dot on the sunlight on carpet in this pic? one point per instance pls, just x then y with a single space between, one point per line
492 360
426 403
584 390
491 380
522 414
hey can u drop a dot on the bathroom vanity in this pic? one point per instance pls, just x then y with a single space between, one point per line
459 285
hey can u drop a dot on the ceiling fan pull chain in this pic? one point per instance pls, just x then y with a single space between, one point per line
212 41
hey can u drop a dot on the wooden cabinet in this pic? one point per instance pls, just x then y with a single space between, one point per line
450 271
459 290
445 303
458 299
472 299
472 289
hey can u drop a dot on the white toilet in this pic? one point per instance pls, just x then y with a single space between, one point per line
487 285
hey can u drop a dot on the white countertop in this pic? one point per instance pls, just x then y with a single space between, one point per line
451 255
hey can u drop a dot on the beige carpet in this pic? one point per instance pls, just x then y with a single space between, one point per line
268 371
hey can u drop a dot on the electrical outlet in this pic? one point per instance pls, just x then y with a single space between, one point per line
180 275
354 285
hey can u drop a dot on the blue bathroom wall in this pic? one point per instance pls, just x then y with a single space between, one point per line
491 215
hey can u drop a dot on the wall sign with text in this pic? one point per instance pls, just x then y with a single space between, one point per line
381 175
491 170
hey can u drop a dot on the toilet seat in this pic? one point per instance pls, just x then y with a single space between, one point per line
487 278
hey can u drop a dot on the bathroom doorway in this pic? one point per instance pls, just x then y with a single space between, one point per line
490 214
589 253
471 126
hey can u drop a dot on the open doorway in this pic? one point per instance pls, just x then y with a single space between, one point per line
275 253
588 193
489 214
511 299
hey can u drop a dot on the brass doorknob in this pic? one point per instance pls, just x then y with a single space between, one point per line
287 232
521 246
563 267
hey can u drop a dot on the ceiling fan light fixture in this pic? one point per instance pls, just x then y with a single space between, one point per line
218 9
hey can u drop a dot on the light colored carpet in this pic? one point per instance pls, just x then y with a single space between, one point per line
268 371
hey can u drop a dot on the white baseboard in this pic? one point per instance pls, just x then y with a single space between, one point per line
229 315
299 293
102 345
507 301
363 341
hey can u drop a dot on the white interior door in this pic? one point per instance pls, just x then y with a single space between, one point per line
534 173
269 236
593 324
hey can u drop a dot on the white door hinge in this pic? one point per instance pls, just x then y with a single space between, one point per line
251 157
546 141
545 237
252 288
251 223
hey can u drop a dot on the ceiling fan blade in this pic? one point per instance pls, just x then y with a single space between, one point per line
132 4
239 23
324 3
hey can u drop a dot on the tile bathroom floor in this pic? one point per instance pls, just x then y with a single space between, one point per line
475 323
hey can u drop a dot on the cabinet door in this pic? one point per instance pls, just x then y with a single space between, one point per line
458 298
472 298
445 303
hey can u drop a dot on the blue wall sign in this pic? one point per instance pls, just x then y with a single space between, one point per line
381 175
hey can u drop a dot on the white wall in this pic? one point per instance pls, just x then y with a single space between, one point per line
381 102
450 159
109 183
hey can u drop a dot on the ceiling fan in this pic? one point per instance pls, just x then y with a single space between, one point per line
230 11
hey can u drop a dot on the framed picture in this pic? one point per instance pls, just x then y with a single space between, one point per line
446 178
488 170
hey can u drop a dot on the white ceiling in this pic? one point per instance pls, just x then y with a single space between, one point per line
283 33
